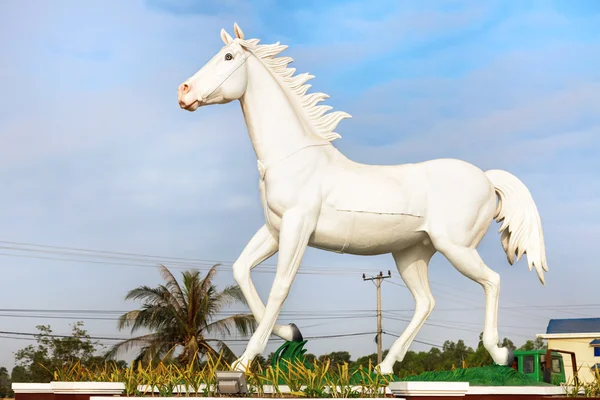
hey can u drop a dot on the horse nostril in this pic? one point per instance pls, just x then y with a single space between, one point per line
184 88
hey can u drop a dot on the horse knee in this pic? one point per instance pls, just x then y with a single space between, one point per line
430 305
490 341
240 272
491 281
424 306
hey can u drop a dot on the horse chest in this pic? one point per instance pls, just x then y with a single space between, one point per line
275 203
288 187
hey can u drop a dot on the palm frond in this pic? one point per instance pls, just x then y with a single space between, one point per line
228 354
172 286
242 323
207 281
147 294
230 295
158 318
127 344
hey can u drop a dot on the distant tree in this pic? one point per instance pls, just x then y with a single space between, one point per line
508 344
260 361
481 357
5 384
36 363
537 344
269 360
453 354
310 358
19 374
181 318
364 360
337 357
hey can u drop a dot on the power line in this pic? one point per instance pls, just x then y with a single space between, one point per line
415 340
133 259
515 310
117 319
305 311
28 334
142 260
97 311
104 251
258 269
151 261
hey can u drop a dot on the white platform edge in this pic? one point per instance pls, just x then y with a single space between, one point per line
414 388
525 390
87 387
31 388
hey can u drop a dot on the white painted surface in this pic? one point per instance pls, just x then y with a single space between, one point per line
575 335
32 388
312 195
87 387
523 390
450 389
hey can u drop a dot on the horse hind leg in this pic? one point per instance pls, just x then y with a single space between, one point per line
412 265
468 262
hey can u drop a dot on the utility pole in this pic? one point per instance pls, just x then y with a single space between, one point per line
378 279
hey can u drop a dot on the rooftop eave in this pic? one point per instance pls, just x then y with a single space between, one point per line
569 335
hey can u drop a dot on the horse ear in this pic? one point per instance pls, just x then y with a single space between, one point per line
226 37
238 31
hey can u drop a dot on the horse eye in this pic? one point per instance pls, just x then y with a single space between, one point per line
228 57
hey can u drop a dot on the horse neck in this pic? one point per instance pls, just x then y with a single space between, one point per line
275 129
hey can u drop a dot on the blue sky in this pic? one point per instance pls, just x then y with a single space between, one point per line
96 154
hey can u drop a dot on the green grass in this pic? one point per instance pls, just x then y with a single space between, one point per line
493 375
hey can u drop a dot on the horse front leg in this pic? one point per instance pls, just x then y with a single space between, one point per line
261 247
296 228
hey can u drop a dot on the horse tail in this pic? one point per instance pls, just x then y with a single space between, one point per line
521 225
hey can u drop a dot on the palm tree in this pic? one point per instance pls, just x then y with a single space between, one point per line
182 318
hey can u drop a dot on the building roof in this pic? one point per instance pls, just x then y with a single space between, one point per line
595 342
573 325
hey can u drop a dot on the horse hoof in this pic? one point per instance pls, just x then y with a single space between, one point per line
384 369
242 364
296 334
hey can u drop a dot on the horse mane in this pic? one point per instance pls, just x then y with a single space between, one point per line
323 123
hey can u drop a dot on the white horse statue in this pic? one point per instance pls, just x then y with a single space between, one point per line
313 195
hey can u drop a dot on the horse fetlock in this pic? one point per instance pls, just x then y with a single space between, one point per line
490 341
501 355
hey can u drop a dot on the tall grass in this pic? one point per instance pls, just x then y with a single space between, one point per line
316 380
579 388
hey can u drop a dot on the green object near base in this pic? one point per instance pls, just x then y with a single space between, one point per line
291 352
492 375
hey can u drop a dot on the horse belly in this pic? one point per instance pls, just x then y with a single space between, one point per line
365 233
